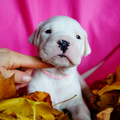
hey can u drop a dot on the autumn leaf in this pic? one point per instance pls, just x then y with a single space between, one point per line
108 94
112 113
105 114
108 99
7 87
97 85
26 109
39 96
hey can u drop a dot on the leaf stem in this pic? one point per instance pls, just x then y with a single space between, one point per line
64 100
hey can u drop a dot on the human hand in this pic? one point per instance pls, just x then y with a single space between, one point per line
10 61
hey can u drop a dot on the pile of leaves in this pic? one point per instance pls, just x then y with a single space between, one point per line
106 99
35 106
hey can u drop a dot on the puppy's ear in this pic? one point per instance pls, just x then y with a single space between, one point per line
87 49
33 39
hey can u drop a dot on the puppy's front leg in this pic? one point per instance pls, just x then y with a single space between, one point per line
86 92
80 112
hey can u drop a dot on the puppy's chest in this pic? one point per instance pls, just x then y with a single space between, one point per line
41 81
59 89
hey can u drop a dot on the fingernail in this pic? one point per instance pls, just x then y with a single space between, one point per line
26 78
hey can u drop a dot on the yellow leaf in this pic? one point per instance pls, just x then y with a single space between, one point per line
45 111
95 91
108 99
110 79
17 108
25 109
114 86
4 117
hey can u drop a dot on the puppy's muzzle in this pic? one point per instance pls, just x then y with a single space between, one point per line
63 44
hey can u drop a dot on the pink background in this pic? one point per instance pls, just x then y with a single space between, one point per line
100 19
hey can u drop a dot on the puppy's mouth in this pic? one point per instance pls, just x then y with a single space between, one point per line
61 55
59 60
64 57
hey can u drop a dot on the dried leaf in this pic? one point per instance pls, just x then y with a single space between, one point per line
108 99
105 114
97 85
110 113
39 96
110 79
109 94
7 87
94 101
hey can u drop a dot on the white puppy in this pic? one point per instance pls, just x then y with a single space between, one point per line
62 42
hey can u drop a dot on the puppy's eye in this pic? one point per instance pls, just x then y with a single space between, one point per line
48 31
78 37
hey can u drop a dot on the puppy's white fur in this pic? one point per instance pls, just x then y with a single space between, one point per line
62 28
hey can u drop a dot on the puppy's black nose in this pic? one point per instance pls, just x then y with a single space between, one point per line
63 44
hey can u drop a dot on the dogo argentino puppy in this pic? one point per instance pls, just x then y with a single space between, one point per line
62 42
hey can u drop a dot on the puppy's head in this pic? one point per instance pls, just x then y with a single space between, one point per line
60 41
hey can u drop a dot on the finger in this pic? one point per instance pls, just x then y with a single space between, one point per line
32 62
18 86
11 59
20 76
